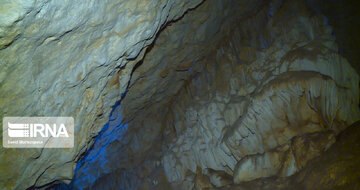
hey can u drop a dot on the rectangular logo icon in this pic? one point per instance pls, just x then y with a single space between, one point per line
38 132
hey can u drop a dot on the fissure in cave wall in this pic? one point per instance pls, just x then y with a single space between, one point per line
70 58
225 94
259 100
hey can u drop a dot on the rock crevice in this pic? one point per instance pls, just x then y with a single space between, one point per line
180 94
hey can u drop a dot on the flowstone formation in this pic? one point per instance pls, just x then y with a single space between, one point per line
180 94
271 98
246 94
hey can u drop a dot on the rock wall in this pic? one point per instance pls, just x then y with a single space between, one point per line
336 168
70 58
177 55
206 94
246 93
272 97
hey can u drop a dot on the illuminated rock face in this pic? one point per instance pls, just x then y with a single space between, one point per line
231 92
70 58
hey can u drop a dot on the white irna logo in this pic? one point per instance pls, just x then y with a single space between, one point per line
36 130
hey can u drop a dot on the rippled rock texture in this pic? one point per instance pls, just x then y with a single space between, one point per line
70 58
213 94
272 97
337 168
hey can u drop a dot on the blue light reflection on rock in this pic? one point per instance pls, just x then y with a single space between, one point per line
95 163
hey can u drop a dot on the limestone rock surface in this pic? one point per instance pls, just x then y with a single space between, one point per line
176 94
260 97
70 58
267 98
